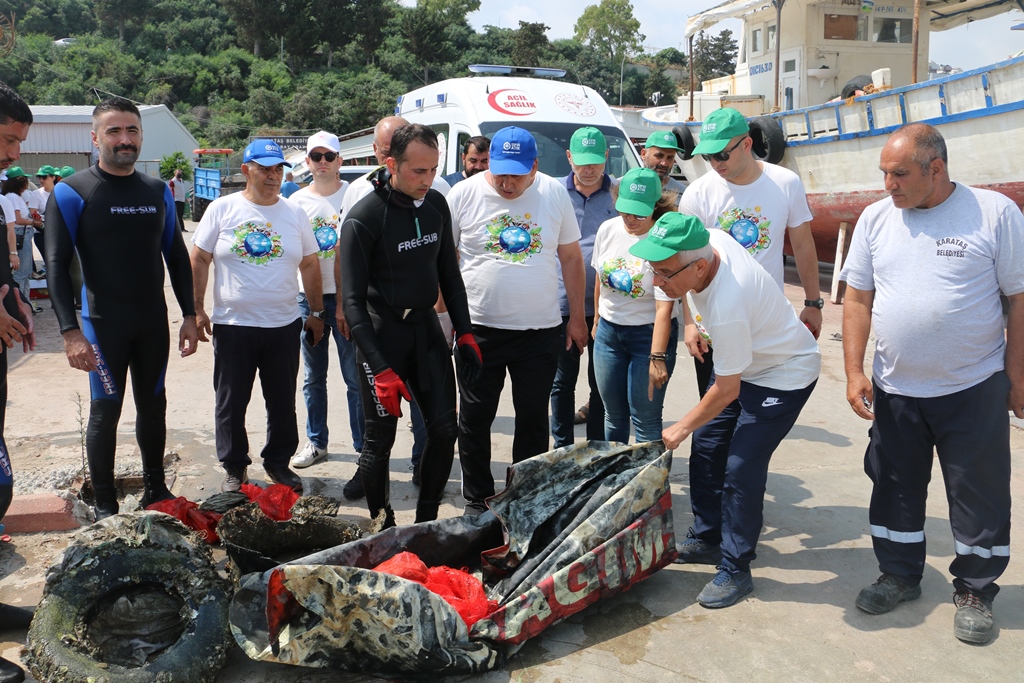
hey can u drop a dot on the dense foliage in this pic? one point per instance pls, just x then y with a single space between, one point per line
232 68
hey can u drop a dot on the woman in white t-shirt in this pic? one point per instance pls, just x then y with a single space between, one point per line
14 188
626 339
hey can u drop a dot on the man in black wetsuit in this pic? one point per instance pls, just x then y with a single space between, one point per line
15 327
396 248
123 225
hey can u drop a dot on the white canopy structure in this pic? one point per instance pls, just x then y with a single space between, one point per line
942 14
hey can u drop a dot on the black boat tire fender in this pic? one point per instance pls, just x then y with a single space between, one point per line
768 140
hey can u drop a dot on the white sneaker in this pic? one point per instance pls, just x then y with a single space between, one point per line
310 455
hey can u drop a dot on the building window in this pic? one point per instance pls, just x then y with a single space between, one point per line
789 66
886 30
845 27
771 37
755 41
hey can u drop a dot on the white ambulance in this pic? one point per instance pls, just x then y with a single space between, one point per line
552 110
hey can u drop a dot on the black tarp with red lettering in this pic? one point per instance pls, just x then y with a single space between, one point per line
571 527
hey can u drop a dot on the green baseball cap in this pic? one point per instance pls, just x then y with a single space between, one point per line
639 191
66 172
15 172
718 128
587 146
46 170
674 232
665 139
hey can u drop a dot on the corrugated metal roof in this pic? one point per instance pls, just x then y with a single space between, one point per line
67 129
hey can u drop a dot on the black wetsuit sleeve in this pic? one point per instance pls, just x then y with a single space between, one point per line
179 267
355 249
63 210
453 289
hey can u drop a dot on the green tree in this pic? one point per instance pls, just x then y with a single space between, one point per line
714 56
173 162
119 12
658 82
58 18
672 57
530 44
432 30
611 28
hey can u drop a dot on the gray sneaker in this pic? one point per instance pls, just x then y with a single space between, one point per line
973 620
310 455
233 479
725 589
695 551
883 595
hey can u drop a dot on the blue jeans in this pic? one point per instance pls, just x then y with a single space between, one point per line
563 394
621 362
316 359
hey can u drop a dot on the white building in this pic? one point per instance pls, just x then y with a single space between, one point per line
60 136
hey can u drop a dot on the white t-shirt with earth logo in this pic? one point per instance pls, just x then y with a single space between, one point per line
256 254
628 293
756 215
508 250
325 221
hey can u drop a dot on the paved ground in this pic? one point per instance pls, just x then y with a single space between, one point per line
798 625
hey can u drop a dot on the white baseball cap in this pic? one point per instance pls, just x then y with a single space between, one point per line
323 139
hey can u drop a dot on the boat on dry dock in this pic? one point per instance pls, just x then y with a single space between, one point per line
832 143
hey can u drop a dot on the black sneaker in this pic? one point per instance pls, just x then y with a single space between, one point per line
883 595
417 480
354 488
10 672
973 620
695 551
282 474
474 508
725 589
15 617
233 479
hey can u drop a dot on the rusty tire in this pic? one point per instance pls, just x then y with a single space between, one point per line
57 637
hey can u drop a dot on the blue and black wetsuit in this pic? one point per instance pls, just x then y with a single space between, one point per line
10 303
124 228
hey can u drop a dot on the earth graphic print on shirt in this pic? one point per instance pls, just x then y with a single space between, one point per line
326 234
749 229
623 276
256 243
514 239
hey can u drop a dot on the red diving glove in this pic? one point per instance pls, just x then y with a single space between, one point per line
471 361
390 391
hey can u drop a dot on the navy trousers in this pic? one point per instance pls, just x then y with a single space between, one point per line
729 468
970 432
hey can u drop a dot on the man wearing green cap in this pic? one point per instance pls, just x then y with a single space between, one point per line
766 365
659 155
758 204
589 189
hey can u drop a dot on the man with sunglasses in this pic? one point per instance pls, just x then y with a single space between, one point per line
757 203
257 241
321 200
766 366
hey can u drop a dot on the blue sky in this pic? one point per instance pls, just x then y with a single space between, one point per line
662 22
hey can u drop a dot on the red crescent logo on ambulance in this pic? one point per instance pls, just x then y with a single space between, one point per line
512 102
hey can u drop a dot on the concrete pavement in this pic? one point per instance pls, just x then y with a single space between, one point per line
799 624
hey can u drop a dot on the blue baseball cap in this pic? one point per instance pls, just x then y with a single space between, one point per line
264 153
513 151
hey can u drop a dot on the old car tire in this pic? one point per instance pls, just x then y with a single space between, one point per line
769 142
57 637
685 140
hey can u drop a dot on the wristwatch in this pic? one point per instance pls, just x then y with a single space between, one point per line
319 315
814 303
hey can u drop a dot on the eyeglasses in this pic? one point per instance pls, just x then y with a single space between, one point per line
723 156
315 157
669 277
